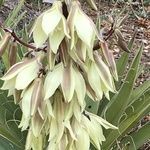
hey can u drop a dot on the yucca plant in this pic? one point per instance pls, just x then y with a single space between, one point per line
59 82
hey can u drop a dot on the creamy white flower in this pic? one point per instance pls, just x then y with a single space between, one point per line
81 26
51 25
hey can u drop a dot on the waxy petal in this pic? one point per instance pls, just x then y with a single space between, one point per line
68 126
63 142
37 95
109 59
92 131
9 84
51 59
51 18
42 110
24 123
99 131
26 76
39 36
84 28
50 21
10 92
29 139
26 101
37 124
15 69
52 81
77 111
68 111
80 86
70 21
37 142
83 142
17 96
52 145
65 27
59 107
94 80
81 50
68 83
104 72
102 121
56 38
53 129
49 108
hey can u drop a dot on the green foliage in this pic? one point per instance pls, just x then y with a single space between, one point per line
14 17
11 138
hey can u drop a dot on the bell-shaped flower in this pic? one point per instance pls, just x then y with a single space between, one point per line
53 80
51 24
32 142
69 79
81 26
83 138
89 130
63 112
104 72
20 75
33 106
99 78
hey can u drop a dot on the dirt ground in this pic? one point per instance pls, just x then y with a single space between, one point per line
141 23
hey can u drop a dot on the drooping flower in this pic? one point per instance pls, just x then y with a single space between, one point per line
83 31
51 25
20 75
70 80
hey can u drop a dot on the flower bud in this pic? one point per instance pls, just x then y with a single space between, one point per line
37 95
109 59
121 42
4 42
12 53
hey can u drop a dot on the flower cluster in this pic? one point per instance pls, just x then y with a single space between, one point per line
51 87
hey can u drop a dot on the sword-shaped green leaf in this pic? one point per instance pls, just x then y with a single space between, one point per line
139 91
142 107
119 101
